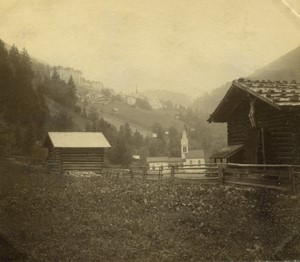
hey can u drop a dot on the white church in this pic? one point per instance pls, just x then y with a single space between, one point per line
188 157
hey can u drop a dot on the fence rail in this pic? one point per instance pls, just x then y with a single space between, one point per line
281 177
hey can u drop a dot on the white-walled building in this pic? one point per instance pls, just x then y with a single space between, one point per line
131 100
194 157
66 72
188 157
155 104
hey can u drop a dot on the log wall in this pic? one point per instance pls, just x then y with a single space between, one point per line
81 159
281 133
238 126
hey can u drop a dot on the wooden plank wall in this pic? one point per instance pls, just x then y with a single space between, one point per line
53 160
280 128
63 159
82 159
281 132
280 139
238 126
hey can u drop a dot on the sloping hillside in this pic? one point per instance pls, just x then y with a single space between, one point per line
209 101
287 67
79 121
176 98
140 119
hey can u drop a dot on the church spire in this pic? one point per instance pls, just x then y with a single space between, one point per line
184 144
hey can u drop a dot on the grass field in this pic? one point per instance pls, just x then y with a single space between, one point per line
62 218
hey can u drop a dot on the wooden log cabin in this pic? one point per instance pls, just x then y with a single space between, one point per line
263 122
81 151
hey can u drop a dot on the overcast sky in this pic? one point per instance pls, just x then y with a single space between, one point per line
182 45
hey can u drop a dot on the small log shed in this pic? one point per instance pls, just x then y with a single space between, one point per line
82 151
263 122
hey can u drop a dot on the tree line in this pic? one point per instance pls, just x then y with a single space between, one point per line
126 143
23 111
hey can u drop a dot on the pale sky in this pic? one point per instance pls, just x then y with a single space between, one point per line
182 45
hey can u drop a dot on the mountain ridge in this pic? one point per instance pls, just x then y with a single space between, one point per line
286 67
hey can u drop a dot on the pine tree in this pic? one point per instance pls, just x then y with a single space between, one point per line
174 142
6 76
55 76
71 92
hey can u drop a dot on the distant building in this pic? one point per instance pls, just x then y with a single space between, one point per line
191 157
188 157
155 104
131 100
66 72
156 162
184 144
96 85
82 151
194 157
136 157
101 99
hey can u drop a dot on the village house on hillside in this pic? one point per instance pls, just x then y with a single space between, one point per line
155 104
131 100
82 151
66 72
262 122
188 157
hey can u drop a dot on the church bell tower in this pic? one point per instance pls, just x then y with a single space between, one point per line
184 144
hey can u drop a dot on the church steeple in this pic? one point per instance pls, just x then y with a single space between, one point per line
184 144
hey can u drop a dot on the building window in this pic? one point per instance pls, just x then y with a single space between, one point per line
184 149
199 162
191 162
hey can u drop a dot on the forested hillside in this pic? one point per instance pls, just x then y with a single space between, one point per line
23 111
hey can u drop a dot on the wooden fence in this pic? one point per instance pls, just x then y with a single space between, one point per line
281 177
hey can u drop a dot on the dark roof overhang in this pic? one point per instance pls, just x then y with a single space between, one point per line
235 95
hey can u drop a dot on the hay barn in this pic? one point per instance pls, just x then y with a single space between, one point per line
82 151
262 122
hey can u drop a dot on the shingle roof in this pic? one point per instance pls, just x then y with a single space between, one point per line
227 151
157 159
281 93
175 159
194 154
78 139
164 159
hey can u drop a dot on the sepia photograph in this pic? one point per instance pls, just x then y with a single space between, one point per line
163 130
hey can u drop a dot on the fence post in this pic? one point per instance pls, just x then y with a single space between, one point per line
131 173
292 179
221 173
172 172
160 173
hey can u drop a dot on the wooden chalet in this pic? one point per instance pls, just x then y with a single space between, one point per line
82 151
263 122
